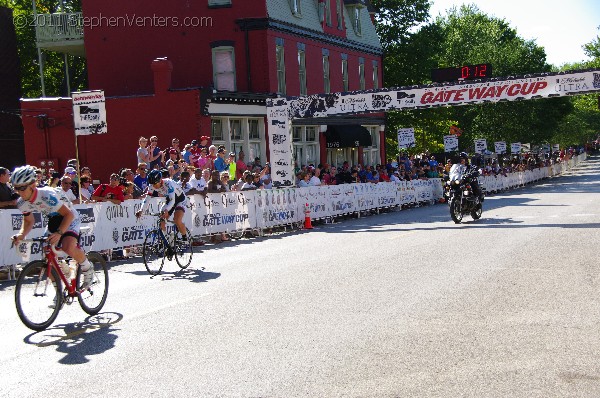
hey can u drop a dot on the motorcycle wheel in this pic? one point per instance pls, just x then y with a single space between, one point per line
455 211
476 214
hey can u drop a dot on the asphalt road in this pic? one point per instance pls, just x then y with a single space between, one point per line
401 304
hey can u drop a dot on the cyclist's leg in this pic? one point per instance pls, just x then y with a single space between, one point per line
70 245
178 220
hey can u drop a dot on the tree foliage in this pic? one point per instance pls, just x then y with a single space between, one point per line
54 67
468 36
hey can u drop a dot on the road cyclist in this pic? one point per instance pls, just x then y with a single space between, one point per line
63 220
179 244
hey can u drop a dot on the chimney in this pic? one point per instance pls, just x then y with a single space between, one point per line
162 69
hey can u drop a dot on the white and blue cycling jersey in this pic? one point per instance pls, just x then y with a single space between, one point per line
173 193
48 201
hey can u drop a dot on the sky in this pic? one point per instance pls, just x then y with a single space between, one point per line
561 27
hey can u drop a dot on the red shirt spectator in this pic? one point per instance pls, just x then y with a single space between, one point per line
112 192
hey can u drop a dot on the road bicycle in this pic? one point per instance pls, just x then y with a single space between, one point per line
158 247
39 293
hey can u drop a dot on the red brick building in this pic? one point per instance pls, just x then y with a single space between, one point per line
224 58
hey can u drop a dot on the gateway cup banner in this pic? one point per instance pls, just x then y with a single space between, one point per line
281 111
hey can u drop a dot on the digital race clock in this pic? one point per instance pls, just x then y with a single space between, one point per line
465 72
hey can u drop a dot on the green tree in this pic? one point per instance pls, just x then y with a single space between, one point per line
54 67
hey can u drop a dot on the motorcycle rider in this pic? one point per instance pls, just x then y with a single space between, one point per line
459 169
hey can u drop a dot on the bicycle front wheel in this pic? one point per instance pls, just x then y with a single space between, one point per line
184 250
154 252
93 297
38 297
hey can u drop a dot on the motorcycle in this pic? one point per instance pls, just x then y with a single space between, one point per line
461 198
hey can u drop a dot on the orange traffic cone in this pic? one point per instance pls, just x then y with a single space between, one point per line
307 223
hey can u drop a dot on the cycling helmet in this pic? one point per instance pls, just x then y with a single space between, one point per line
154 177
23 175
463 155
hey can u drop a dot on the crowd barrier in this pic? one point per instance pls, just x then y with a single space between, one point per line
106 226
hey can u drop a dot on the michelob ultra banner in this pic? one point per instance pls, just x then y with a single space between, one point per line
500 147
450 143
480 146
515 147
406 138
89 112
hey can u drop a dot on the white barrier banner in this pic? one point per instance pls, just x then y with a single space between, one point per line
342 199
276 207
223 212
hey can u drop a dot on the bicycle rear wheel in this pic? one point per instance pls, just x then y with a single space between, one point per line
92 299
154 252
184 250
37 297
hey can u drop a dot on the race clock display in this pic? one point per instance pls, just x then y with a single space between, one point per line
465 72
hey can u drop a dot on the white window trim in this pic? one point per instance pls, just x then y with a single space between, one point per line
281 85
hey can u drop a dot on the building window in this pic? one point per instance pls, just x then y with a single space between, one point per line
213 3
296 134
361 73
296 7
235 129
326 83
356 16
239 134
253 131
216 130
375 75
345 72
339 14
302 71
224 68
280 60
305 145
328 12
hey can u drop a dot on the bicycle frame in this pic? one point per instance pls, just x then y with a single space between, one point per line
51 258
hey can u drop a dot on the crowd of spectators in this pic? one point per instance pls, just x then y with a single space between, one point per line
201 168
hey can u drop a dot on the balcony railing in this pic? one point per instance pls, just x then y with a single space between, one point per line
51 28
60 32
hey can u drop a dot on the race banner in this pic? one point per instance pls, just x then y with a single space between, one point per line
480 146
515 148
276 207
406 138
280 142
555 148
500 147
450 143
525 147
89 112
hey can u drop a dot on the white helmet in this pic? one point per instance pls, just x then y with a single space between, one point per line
23 175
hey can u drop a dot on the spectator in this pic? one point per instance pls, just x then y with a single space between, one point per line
174 147
330 178
194 153
84 184
198 182
240 183
155 154
141 178
86 172
40 183
127 187
433 164
315 180
173 165
185 155
128 177
143 156
232 168
54 180
203 143
65 185
383 175
211 157
303 181
256 163
248 182
395 177
256 181
240 165
220 163
184 182
111 192
8 197
71 172
265 177
225 180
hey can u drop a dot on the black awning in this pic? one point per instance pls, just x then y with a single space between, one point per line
347 136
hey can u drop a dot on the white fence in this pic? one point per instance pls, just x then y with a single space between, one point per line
112 226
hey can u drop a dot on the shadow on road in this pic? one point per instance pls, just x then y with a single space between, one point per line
80 340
